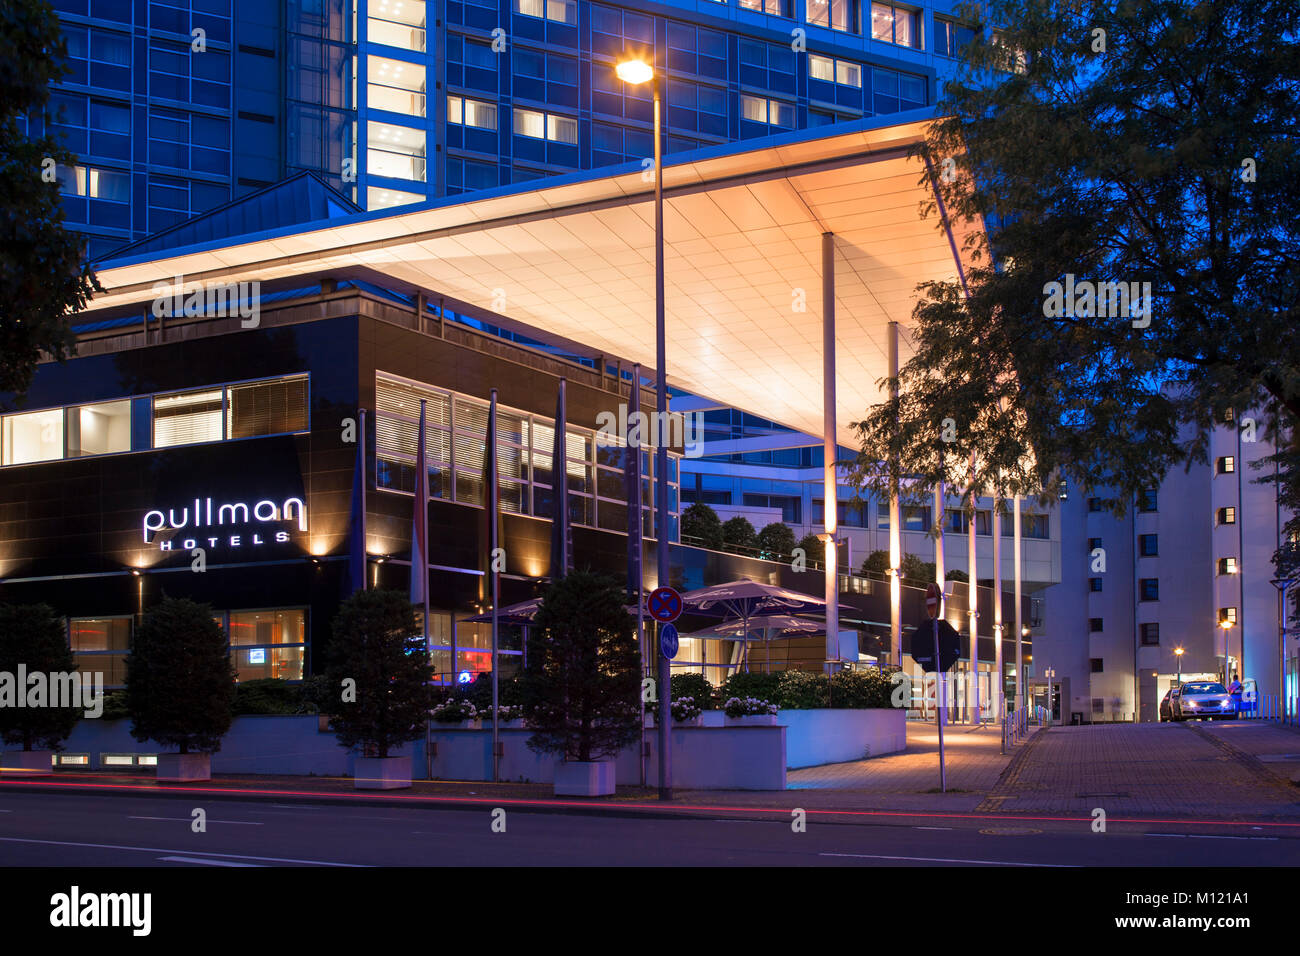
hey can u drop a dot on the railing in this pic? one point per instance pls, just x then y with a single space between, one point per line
1273 707
1015 725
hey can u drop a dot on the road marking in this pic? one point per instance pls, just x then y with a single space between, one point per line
1208 836
238 823
932 828
196 860
164 849
940 859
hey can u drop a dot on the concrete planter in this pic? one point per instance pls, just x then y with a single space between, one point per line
579 778
461 724
382 773
752 720
184 768
693 722
517 724
27 761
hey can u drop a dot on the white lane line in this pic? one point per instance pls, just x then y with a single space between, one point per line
940 859
932 828
1207 836
197 861
238 823
164 849
297 806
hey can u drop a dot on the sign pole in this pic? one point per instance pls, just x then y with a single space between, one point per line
939 675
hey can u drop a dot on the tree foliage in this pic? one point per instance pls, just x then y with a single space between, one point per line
43 279
814 548
377 644
737 532
580 689
776 540
702 522
1163 154
180 683
32 635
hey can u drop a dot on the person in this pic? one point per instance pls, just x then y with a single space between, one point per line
1235 689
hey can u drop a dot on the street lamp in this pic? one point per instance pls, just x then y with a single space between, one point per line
636 72
1178 653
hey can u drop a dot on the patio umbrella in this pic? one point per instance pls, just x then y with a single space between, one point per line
784 626
744 600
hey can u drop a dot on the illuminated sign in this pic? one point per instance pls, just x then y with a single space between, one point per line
204 515
258 656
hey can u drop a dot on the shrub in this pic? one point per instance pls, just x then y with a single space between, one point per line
684 708
269 695
453 710
702 522
857 689
115 707
776 541
747 706
696 687
378 647
580 688
314 694
742 684
737 532
34 636
802 690
180 683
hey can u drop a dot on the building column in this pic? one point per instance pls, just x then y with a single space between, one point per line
939 573
1020 623
895 523
830 486
995 699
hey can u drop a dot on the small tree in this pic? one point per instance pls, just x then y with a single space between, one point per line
737 532
180 683
32 635
776 540
814 548
379 673
580 690
876 565
702 522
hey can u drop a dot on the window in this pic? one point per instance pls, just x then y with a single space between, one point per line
552 126
1095 665
758 109
1094 504
896 25
848 514
474 113
1149 589
1227 417
395 85
1227 565
844 72
1098 705
950 37
1227 465
1150 634
100 645
479 55
1094 584
187 418
1227 516
33 436
1013 60
93 183
267 408
398 23
1094 625
99 429
1035 526
395 152
1094 544
377 198
1227 615
560 11
1148 545
777 8
268 644
1147 500
791 505
836 14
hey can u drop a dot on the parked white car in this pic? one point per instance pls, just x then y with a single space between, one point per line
1202 700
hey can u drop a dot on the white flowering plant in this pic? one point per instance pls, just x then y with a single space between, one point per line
748 706
453 710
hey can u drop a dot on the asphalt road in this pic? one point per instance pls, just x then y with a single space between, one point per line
79 830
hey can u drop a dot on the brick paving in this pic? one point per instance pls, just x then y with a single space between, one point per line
1143 769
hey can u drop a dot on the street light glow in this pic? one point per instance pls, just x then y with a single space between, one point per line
634 71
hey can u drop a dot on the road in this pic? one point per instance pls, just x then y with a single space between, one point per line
82 830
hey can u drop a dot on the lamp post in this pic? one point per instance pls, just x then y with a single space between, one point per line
636 72
1178 654
1227 657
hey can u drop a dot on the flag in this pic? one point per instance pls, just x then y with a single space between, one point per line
561 545
357 527
632 476
420 519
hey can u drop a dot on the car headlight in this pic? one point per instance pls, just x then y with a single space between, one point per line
1190 703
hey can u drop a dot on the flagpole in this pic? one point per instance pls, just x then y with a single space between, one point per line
365 560
495 579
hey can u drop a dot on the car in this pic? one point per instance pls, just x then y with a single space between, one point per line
1201 700
1165 712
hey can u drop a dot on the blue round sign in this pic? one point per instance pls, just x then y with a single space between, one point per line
668 641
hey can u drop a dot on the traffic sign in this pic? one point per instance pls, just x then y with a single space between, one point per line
923 645
933 600
664 604
668 641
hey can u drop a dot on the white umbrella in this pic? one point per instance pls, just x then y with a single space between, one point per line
744 600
